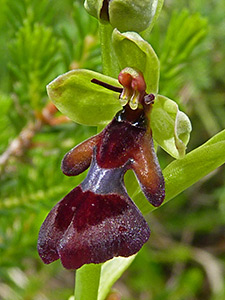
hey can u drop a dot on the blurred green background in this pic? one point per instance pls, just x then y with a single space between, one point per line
40 39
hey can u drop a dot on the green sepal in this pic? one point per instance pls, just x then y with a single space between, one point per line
171 128
133 51
82 101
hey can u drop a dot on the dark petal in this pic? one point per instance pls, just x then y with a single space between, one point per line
78 159
55 226
103 226
118 141
148 171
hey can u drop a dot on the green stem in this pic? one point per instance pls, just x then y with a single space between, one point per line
87 282
110 65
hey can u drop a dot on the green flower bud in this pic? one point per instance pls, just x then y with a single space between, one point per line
125 15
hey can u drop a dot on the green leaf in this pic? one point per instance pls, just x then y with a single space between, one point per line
171 128
87 282
111 272
81 100
182 173
132 51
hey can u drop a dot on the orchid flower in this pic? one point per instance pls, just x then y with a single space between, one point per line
97 220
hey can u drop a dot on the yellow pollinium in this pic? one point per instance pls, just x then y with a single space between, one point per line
130 97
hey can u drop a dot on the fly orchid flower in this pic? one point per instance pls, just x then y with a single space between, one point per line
97 220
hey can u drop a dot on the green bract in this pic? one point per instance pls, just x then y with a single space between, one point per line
129 15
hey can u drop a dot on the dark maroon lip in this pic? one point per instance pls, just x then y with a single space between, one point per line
91 228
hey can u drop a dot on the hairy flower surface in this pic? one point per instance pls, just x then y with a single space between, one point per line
97 220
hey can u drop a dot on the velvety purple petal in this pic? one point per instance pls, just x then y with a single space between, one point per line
118 142
103 226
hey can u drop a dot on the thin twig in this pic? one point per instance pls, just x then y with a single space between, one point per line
18 146
23 142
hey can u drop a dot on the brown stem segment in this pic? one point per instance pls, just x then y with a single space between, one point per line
23 142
